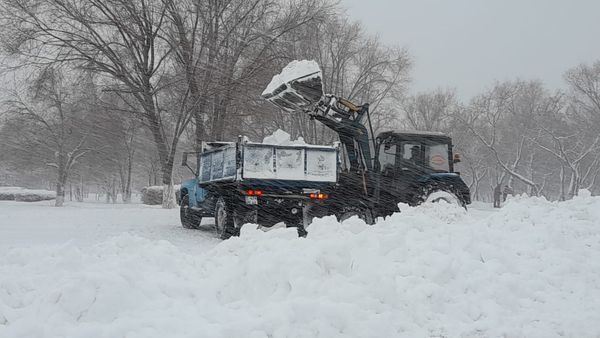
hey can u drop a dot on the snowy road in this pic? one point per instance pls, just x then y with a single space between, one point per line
530 269
34 224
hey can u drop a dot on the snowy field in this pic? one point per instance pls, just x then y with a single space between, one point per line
530 269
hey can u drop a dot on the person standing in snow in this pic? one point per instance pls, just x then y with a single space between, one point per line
497 194
507 191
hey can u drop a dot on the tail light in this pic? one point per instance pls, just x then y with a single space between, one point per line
254 192
317 196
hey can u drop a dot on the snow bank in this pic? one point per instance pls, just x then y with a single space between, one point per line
530 269
293 70
281 138
25 195
153 195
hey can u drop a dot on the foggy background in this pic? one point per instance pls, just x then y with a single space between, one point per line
468 44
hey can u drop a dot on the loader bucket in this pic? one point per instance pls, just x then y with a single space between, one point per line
297 88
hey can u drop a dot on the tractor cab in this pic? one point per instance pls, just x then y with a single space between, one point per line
411 165
416 153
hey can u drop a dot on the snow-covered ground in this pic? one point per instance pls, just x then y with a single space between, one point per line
26 225
530 269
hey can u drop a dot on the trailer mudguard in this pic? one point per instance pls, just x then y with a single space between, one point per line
196 193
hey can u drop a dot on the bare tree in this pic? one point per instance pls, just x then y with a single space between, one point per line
489 119
51 121
430 111
584 82
120 39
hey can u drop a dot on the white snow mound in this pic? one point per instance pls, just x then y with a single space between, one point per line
293 70
530 269
25 195
281 138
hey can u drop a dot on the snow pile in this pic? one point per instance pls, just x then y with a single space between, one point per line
281 138
153 195
25 195
292 71
530 269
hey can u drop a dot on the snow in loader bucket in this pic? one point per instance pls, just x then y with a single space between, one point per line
297 88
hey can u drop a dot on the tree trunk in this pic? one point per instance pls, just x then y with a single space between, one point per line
60 195
165 156
125 180
127 191
169 201
573 183
561 196
61 182
79 193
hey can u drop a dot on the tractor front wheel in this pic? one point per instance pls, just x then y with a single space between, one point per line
439 195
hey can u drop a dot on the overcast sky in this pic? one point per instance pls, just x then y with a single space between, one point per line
467 44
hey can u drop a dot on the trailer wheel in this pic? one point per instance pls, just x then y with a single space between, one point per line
298 221
362 213
224 220
189 219
299 227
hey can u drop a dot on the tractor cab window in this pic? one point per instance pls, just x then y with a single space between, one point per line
437 157
387 156
412 153
429 156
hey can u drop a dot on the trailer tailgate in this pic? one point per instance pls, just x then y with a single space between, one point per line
289 163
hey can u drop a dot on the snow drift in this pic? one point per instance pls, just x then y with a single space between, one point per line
153 195
531 269
25 195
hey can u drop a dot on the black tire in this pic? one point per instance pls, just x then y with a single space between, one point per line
189 219
299 225
297 221
224 219
362 213
438 194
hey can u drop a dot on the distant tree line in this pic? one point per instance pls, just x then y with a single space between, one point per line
103 90
520 134
107 93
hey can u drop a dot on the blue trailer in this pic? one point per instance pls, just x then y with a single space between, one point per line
244 182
